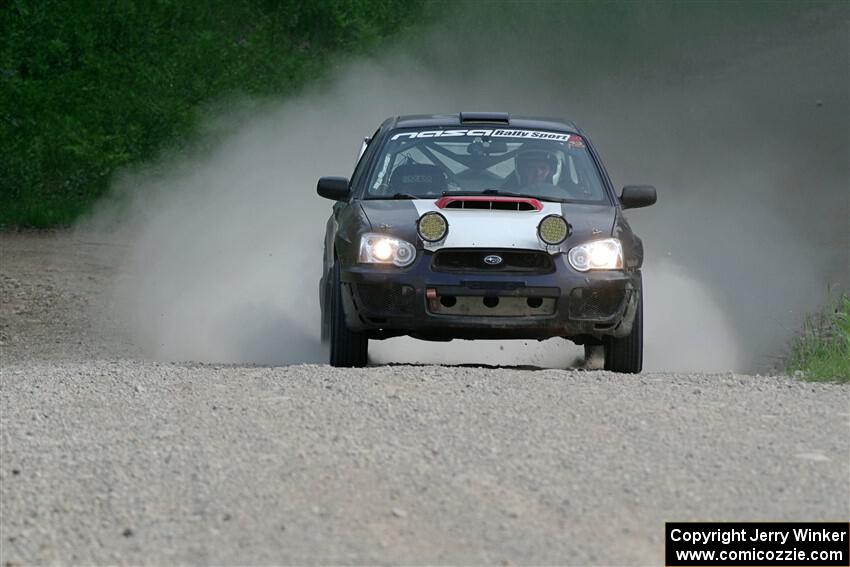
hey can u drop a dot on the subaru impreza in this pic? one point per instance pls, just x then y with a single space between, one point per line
481 226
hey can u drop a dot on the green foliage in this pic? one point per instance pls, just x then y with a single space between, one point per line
822 351
87 87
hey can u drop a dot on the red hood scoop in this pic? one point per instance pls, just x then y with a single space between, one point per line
485 202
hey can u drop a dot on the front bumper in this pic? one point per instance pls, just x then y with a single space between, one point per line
418 301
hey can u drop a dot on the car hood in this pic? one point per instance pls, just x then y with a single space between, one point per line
472 228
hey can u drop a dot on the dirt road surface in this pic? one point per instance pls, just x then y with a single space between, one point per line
109 458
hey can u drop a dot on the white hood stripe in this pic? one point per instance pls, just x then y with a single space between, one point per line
474 228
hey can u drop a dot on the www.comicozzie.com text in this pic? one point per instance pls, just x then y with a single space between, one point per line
743 534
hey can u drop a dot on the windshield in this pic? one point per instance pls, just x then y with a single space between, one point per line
427 164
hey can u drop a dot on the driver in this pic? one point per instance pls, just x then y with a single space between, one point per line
535 167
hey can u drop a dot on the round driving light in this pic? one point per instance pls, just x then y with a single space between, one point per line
553 229
382 249
432 227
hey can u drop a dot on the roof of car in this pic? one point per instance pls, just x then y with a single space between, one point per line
471 118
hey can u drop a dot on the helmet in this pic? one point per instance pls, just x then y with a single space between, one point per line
535 165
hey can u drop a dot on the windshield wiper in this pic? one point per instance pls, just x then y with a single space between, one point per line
404 196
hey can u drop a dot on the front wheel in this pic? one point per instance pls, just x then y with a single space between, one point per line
325 308
347 348
625 354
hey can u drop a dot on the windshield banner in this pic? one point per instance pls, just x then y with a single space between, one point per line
484 133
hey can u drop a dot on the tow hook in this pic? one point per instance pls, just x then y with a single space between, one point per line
433 300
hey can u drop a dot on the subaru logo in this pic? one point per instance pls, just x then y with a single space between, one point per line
492 260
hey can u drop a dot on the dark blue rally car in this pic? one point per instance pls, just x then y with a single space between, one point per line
481 226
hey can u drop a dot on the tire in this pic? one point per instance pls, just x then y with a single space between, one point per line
347 348
625 354
325 307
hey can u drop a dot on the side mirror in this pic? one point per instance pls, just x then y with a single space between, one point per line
636 196
334 188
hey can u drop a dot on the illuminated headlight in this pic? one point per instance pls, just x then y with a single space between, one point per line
553 230
383 249
432 227
597 255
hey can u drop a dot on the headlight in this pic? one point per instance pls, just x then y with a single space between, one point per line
383 249
432 227
597 255
553 230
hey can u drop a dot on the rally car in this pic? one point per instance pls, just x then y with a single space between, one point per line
481 226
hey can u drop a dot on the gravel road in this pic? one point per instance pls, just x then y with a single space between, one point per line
108 458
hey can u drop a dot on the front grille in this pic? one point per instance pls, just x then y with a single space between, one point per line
591 303
385 298
472 260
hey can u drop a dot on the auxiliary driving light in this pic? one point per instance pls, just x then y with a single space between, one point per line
553 230
604 254
432 227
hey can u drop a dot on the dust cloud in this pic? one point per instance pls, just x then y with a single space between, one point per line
744 130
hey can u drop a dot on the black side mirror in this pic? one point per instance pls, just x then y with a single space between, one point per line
636 196
334 188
